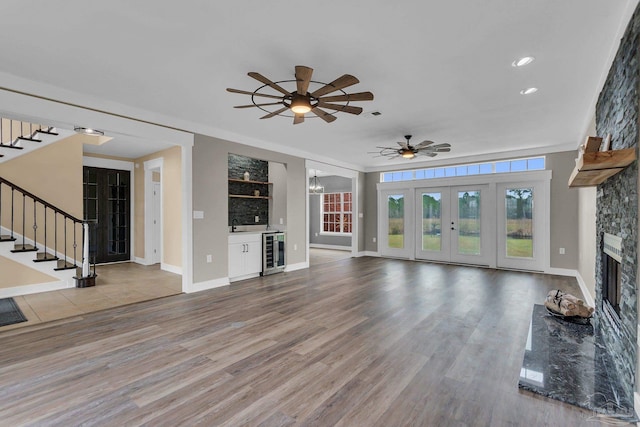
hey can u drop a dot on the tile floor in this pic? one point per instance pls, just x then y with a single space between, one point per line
320 256
116 285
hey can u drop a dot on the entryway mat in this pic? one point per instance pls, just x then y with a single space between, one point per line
10 313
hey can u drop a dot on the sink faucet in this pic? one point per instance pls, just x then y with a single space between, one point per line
234 221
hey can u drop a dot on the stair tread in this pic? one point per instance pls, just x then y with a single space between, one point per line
47 132
7 238
44 256
15 147
26 138
24 248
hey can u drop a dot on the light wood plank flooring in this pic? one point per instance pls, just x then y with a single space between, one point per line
357 342
117 285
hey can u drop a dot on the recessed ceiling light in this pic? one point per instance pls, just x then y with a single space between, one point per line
88 131
528 91
522 61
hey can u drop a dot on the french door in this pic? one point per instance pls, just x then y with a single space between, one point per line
521 227
395 213
454 224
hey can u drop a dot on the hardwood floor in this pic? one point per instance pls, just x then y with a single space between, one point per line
356 342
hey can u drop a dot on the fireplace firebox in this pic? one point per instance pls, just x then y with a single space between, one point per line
611 277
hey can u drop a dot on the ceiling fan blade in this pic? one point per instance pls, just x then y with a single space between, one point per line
431 154
443 150
359 96
424 144
404 145
445 145
275 113
323 115
346 108
257 105
244 92
339 83
303 77
268 82
299 118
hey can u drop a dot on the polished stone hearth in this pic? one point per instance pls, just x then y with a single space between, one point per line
566 361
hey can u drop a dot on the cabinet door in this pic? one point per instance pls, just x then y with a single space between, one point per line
236 259
253 257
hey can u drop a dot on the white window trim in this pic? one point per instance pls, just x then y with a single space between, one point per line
333 233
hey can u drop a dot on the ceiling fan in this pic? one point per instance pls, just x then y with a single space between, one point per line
300 101
408 151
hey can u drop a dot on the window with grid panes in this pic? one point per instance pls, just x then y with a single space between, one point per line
336 213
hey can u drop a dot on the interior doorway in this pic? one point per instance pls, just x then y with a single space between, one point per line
153 215
334 217
157 230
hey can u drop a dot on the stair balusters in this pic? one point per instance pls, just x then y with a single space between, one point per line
66 259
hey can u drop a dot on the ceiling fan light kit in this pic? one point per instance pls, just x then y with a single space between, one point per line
408 151
300 101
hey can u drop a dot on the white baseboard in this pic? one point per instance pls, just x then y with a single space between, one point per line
171 268
588 298
209 284
561 271
34 289
141 261
371 253
298 266
334 247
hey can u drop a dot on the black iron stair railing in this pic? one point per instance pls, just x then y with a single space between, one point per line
18 205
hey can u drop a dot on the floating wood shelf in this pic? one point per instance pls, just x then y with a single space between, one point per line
242 196
595 167
248 182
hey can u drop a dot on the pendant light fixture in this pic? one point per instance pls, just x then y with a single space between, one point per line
316 187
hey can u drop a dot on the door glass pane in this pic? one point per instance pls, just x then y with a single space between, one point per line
519 225
396 221
431 222
469 222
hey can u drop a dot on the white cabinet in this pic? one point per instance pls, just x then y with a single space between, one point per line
245 255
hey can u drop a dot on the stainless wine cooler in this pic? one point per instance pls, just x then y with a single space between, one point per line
273 259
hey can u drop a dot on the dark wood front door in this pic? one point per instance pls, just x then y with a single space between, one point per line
107 201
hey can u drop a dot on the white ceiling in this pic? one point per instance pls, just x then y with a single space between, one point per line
439 69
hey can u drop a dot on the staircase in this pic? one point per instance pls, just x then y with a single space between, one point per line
34 233
18 137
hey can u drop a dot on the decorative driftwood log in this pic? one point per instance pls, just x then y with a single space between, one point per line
567 304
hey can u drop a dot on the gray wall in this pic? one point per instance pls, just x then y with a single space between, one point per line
371 211
210 168
361 196
278 176
332 184
564 211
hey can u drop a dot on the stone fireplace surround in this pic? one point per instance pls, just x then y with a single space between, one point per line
617 206
594 366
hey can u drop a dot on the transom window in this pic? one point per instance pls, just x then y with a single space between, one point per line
336 213
502 166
